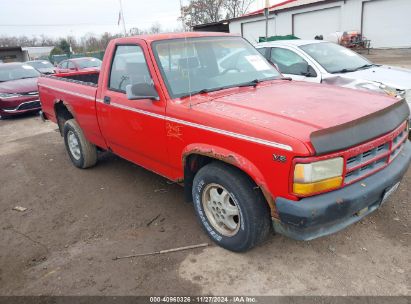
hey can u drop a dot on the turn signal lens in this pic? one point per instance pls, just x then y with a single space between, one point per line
311 188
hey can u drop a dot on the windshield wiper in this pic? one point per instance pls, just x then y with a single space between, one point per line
26 77
343 71
365 66
202 91
253 83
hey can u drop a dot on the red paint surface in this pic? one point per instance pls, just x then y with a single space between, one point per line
277 111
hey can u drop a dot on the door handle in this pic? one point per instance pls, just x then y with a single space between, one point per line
107 100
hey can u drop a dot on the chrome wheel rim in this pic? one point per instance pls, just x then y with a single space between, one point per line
73 145
221 210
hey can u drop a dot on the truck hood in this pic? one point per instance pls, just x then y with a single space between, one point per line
296 109
19 86
397 78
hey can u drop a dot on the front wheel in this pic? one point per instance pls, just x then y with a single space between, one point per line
231 210
82 153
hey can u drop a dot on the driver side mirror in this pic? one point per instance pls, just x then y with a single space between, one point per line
310 72
142 91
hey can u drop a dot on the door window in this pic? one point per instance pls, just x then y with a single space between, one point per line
263 51
63 65
71 66
289 62
129 67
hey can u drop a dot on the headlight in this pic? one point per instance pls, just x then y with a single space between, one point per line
317 177
408 96
8 95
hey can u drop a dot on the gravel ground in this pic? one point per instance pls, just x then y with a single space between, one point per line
78 220
397 57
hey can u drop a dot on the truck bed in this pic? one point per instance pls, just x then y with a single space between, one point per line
78 92
85 78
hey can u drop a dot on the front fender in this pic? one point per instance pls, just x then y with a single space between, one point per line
234 159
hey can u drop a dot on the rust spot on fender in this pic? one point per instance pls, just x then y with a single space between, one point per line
229 158
233 160
271 202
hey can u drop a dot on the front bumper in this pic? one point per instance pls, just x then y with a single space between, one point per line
328 213
20 107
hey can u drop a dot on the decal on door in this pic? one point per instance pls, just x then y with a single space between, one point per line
174 131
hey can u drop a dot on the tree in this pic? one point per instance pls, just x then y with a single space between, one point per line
236 8
106 38
155 28
64 46
56 51
134 31
207 11
201 11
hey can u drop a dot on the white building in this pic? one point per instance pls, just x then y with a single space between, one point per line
36 52
387 23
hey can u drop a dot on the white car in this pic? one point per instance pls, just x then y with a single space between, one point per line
327 62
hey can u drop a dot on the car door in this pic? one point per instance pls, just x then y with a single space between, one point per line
133 129
63 67
293 65
72 66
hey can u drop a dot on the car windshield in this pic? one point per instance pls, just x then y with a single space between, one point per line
196 65
89 63
335 58
40 64
17 71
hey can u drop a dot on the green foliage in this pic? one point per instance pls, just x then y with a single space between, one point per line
276 38
65 46
56 51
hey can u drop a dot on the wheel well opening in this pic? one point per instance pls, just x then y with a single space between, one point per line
62 115
194 162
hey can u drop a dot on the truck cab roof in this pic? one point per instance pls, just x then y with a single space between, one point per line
169 36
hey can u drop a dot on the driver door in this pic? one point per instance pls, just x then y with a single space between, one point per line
133 129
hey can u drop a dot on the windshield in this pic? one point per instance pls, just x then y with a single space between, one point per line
335 58
17 71
89 63
40 64
205 64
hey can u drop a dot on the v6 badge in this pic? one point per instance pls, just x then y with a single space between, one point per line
279 158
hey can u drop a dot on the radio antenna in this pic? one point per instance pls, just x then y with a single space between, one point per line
187 61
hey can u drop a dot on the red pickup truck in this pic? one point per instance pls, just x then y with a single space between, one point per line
255 152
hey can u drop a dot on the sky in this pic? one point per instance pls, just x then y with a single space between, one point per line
60 18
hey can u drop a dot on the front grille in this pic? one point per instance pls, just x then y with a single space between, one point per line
372 160
29 105
366 156
33 93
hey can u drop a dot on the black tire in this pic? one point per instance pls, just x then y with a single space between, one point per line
87 151
254 214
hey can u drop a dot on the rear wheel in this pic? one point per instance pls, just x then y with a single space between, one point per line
82 153
231 210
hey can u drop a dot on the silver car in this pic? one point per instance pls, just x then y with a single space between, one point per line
327 62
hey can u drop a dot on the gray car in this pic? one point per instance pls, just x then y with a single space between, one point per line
326 62
43 66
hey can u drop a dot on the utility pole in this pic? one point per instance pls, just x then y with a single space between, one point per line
266 14
122 19
182 15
